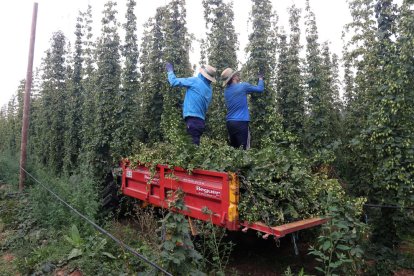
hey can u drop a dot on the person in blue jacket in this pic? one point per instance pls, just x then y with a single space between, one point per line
235 95
197 98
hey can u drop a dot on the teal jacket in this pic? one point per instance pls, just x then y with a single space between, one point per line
198 96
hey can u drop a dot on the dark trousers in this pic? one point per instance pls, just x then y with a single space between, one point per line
238 133
195 128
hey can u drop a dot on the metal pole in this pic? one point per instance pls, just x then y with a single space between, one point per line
26 105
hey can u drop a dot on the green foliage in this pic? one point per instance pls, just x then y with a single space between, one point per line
41 259
177 249
73 117
340 246
11 121
383 148
322 126
152 79
386 261
213 246
41 250
280 187
359 83
261 58
290 92
89 94
221 46
91 246
176 51
210 155
50 125
78 192
166 39
127 108
74 239
289 272
107 90
23 237
88 110
9 173
277 184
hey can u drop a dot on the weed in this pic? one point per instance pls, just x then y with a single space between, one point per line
289 272
339 248
9 172
177 249
49 212
147 224
213 246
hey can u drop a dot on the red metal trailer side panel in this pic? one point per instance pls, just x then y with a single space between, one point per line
206 193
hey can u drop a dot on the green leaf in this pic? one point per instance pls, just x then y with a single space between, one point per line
326 245
319 269
109 255
75 253
168 245
343 247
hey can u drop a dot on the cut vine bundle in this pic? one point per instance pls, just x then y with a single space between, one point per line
276 183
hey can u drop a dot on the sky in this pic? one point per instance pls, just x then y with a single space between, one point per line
55 15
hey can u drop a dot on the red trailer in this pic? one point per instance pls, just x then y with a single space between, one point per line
203 190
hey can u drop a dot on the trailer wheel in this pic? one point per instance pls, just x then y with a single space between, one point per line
109 196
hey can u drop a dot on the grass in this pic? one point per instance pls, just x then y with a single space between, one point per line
27 247
33 226
8 212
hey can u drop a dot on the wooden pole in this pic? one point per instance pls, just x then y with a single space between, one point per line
26 105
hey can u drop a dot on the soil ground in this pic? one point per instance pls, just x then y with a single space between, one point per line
253 255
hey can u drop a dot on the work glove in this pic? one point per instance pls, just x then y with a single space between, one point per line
260 75
169 67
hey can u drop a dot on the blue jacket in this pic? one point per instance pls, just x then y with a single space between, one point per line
198 96
235 96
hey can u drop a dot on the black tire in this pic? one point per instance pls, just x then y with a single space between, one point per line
109 195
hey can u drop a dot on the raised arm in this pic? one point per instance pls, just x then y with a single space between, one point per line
259 88
178 82
173 80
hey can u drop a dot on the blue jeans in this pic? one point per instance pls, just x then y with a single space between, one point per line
195 128
239 134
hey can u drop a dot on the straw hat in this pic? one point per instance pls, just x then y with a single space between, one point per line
209 72
227 75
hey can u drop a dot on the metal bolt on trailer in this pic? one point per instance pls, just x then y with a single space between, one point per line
203 190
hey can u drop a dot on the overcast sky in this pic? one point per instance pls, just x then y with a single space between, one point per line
54 15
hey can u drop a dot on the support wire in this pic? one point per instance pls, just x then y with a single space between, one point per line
100 229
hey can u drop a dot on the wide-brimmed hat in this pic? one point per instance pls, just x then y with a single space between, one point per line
209 72
227 75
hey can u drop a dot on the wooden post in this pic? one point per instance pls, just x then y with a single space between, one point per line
26 105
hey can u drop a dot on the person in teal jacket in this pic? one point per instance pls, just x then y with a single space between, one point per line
197 98
235 96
